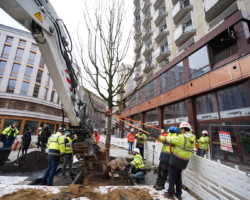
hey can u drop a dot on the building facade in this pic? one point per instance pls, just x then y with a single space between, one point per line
196 56
27 93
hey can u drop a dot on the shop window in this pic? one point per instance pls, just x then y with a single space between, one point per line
2 66
33 47
151 117
19 54
172 78
244 133
206 107
181 112
32 125
11 86
24 88
52 96
9 122
223 46
6 51
216 151
39 76
136 118
199 66
234 101
9 39
47 80
28 72
15 70
21 43
31 58
169 114
41 64
36 90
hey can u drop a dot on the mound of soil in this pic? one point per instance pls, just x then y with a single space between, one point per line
33 161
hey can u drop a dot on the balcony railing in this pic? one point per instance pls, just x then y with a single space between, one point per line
147 18
163 53
162 13
147 34
180 10
149 66
146 5
183 33
148 48
137 47
157 4
161 33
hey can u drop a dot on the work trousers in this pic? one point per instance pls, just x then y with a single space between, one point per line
141 148
25 149
201 152
162 174
68 160
130 146
8 143
174 180
50 171
43 147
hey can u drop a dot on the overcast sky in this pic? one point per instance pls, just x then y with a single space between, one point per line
72 14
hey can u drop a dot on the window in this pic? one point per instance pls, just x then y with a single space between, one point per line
33 47
172 78
21 43
150 90
169 114
164 48
11 86
31 58
180 112
151 117
6 51
19 54
45 93
52 96
36 90
2 66
27 73
39 76
0 80
187 26
15 70
199 66
163 28
234 101
9 39
137 18
48 80
206 107
31 124
24 88
41 64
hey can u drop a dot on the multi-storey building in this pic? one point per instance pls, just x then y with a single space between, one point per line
196 58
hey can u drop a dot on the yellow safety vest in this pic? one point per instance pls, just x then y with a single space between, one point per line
69 148
203 142
184 145
165 145
56 144
8 130
40 132
137 162
140 138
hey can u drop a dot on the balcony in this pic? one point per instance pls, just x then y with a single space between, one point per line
137 20
162 13
161 33
215 7
137 47
146 5
149 66
138 76
157 4
147 34
137 61
146 20
183 33
137 34
148 48
162 53
180 10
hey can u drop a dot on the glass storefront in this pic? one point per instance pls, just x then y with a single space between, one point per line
31 124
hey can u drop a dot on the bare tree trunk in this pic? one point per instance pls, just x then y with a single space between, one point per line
108 133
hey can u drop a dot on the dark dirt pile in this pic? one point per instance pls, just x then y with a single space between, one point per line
33 161
100 179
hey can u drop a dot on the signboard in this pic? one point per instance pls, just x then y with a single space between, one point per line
208 116
235 113
225 141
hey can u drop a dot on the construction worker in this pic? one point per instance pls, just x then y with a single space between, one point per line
38 144
68 158
10 134
56 146
26 139
183 146
140 140
164 158
137 166
131 139
203 143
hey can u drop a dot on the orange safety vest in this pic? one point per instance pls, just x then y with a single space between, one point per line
131 137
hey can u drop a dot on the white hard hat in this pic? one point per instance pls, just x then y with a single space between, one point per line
163 131
40 128
132 130
136 150
204 132
185 125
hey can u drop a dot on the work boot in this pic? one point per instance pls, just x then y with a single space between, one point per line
168 195
159 187
155 186
178 196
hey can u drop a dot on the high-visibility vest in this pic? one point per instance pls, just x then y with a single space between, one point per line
68 148
184 145
8 131
56 144
137 162
40 132
131 137
165 145
203 142
140 138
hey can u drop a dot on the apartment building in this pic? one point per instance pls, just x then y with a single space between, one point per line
194 62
